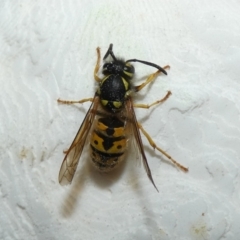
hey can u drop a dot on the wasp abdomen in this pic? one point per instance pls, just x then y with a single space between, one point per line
108 143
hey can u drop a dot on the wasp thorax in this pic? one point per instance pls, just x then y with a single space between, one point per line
112 92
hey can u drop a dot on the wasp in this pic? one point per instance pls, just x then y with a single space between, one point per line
111 120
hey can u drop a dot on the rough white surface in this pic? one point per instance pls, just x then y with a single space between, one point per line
47 51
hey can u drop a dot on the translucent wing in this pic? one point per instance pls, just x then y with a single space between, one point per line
133 120
70 162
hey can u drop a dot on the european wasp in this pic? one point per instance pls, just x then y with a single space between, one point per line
111 120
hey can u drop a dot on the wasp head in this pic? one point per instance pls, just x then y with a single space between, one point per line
119 67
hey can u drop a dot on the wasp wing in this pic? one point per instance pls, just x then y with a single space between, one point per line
70 162
133 120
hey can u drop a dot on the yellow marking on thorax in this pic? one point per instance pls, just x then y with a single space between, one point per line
117 104
104 79
104 102
125 83
128 74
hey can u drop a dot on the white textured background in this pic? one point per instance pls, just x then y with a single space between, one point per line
47 51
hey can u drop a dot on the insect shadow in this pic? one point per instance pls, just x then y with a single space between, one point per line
88 174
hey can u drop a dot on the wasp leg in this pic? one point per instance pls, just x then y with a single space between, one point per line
72 102
152 143
96 69
139 105
149 79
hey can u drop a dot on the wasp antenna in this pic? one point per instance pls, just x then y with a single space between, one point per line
148 63
110 52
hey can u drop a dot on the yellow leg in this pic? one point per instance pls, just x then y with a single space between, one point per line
98 79
152 143
149 79
72 102
139 105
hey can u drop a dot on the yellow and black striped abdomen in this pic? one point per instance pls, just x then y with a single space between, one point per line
108 143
